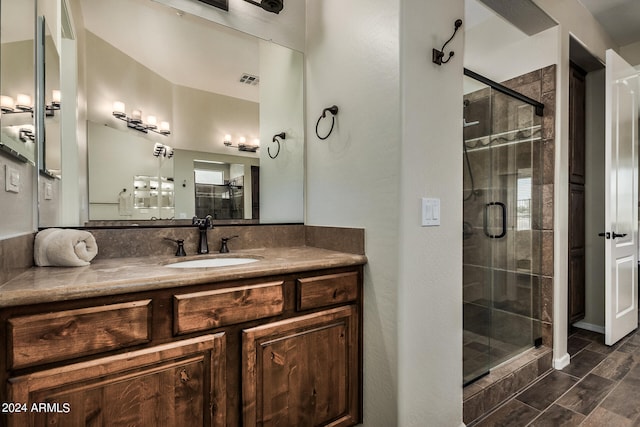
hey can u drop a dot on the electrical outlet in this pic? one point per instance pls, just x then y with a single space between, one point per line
12 179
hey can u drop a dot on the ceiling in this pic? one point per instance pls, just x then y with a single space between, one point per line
182 48
620 18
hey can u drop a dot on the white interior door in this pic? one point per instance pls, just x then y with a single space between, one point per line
621 199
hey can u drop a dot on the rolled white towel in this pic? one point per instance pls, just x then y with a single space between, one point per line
64 248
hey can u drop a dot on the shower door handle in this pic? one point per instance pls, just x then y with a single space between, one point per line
503 209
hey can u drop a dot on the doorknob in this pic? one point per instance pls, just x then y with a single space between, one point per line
613 235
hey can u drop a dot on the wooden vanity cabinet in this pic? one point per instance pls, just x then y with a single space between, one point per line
176 384
281 350
302 371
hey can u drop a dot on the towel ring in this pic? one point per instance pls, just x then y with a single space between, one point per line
280 135
334 111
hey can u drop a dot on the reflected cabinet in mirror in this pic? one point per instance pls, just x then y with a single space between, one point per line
175 118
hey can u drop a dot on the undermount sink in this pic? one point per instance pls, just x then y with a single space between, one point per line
211 262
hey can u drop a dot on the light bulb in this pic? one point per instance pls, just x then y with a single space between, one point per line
165 128
118 109
23 101
6 103
136 116
55 96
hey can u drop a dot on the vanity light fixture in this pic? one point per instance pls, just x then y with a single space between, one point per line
21 105
55 103
242 144
135 120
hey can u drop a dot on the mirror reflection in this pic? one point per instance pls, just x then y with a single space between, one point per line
17 74
180 113
52 164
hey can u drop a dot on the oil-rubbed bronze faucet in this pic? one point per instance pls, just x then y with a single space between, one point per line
203 225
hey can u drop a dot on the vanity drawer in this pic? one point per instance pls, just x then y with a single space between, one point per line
51 337
322 291
200 311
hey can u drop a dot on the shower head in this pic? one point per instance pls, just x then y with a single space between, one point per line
274 6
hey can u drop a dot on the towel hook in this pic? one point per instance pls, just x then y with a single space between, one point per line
334 111
280 135
437 55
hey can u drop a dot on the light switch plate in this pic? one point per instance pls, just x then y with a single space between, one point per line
48 191
12 179
430 212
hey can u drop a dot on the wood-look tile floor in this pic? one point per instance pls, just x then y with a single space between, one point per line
601 387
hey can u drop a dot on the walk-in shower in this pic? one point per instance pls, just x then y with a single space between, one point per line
501 222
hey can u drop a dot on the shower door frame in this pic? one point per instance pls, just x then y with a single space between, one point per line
538 109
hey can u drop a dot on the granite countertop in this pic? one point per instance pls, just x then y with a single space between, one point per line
126 275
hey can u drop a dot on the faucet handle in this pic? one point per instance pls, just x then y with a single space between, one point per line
223 247
180 251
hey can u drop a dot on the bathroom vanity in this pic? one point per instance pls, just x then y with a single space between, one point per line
134 342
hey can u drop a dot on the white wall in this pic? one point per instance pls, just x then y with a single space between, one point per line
430 267
396 140
281 110
353 177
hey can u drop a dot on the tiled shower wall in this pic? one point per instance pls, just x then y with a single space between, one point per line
541 86
487 393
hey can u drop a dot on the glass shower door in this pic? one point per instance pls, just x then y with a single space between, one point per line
502 201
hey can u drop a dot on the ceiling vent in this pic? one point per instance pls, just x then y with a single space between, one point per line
220 4
249 79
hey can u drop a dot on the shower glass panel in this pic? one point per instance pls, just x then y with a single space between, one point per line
501 228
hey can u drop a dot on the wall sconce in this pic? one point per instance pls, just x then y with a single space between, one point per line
21 105
162 150
135 121
242 144
55 103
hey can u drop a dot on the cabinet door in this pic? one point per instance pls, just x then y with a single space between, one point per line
177 384
303 371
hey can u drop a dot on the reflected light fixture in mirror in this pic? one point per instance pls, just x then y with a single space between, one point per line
55 103
21 105
242 144
135 121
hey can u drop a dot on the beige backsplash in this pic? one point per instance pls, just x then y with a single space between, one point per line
16 253
16 256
